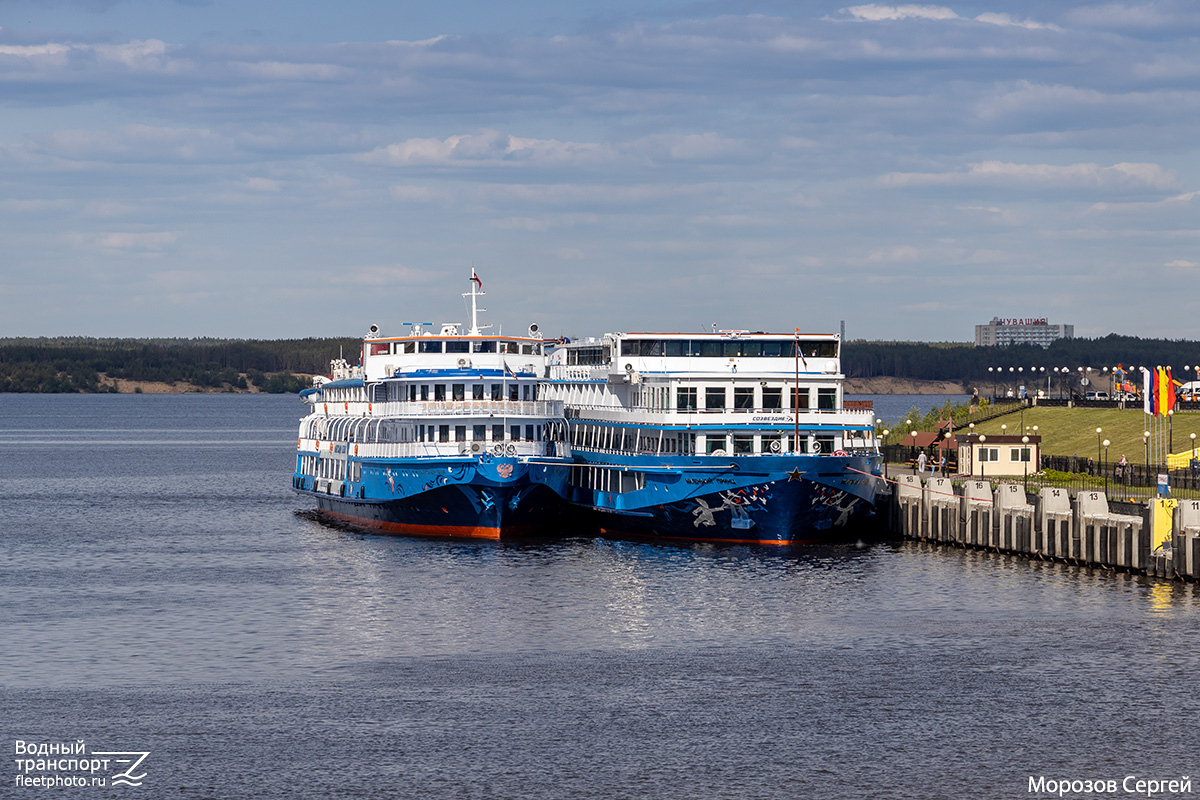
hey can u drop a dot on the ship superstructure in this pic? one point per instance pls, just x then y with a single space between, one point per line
434 431
726 436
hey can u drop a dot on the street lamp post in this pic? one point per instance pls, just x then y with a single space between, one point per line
1146 447
885 435
1106 443
1037 465
970 438
979 449
1025 459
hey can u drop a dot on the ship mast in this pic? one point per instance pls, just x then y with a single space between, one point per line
475 293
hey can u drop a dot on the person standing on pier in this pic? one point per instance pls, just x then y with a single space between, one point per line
921 463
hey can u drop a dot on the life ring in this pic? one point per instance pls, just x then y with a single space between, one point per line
368 408
331 447
355 449
326 408
346 406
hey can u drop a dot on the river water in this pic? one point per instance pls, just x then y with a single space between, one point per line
163 591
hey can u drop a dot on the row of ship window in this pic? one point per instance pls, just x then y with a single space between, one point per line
458 391
751 398
729 348
641 440
453 346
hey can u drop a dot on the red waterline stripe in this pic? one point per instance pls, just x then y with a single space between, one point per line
441 531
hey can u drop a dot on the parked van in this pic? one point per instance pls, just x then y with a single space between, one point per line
1096 396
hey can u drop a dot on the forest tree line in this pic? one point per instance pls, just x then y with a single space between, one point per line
69 364
76 364
953 361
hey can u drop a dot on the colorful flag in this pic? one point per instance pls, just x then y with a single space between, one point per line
1160 391
1170 381
475 278
799 352
1147 391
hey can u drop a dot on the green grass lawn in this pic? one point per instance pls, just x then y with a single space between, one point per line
1072 431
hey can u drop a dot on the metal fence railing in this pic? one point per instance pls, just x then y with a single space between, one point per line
1075 473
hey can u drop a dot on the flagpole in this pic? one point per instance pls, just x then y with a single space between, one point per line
796 397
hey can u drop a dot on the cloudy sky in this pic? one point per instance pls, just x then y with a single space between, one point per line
271 168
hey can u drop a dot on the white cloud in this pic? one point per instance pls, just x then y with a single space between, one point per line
1181 264
1156 206
1005 20
1001 173
133 243
991 213
894 254
143 55
279 70
488 147
34 50
261 184
689 147
559 195
874 12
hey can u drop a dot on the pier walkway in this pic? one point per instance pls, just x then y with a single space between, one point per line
1159 538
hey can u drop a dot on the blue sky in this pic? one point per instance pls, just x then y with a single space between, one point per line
272 169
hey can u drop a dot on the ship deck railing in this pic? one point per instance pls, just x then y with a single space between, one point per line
720 416
516 448
545 409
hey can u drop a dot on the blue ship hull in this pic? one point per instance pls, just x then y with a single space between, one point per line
474 497
770 500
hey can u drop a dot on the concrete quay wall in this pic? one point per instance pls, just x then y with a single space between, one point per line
1053 524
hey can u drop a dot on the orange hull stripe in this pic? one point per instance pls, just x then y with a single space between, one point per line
444 531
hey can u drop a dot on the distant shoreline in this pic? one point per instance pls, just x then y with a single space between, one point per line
885 385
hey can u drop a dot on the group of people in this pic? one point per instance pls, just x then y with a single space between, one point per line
923 461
